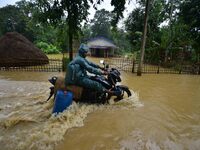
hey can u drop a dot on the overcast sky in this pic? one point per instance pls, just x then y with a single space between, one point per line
6 2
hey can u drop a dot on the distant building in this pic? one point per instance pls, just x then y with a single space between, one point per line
101 47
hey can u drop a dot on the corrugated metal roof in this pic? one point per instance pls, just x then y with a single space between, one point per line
100 42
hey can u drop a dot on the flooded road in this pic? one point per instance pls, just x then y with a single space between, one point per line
162 114
169 118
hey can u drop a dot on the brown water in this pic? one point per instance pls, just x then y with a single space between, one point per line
163 113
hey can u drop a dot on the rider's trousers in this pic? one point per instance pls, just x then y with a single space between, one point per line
91 84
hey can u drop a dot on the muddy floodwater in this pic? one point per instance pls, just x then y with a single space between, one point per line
163 113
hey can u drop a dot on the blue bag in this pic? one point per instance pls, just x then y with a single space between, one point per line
62 101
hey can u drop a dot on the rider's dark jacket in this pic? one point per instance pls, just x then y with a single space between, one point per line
77 73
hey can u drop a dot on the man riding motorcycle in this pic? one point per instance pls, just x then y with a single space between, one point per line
77 72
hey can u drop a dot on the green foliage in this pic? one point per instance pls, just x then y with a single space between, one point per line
101 26
131 55
101 23
119 7
54 11
189 12
11 19
47 48
134 26
8 18
190 15
120 37
62 37
86 32
58 23
18 18
180 38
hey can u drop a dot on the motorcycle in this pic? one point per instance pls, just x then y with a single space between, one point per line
89 95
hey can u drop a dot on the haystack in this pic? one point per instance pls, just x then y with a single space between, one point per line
16 50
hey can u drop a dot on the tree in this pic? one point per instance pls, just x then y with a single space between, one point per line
134 25
86 32
119 36
119 7
74 12
61 36
101 23
139 71
17 18
11 19
190 15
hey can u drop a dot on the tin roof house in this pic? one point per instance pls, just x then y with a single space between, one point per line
101 47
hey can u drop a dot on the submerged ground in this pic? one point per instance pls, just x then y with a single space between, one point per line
163 113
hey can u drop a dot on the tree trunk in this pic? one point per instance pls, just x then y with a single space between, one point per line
70 46
139 71
70 42
170 33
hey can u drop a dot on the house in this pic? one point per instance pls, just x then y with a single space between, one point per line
101 47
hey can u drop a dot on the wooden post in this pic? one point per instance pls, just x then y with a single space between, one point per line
133 68
180 68
70 34
158 71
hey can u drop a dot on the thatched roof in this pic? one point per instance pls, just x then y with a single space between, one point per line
16 50
100 43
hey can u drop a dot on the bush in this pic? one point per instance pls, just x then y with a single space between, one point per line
131 55
47 48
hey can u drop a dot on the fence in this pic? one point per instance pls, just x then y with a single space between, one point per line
55 65
128 65
123 64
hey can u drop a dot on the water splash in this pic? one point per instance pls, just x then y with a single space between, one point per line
47 135
26 121
129 102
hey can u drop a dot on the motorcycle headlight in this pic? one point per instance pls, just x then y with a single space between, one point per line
53 80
